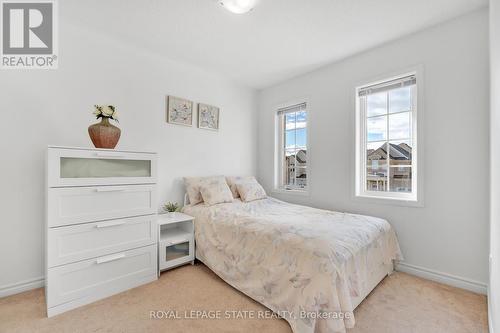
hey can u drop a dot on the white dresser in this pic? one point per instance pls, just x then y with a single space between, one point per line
101 233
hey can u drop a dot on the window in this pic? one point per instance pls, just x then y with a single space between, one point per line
292 148
386 152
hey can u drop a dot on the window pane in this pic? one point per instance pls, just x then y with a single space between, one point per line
296 169
400 179
376 128
294 162
376 156
400 100
290 139
301 118
376 145
290 121
376 166
387 139
376 104
289 170
376 151
301 178
290 152
376 181
301 140
290 177
400 153
399 126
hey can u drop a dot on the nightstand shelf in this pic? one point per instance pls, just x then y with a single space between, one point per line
173 235
175 240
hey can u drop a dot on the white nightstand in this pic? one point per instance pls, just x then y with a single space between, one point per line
175 240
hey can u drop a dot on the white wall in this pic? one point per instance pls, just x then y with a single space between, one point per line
54 107
450 233
494 292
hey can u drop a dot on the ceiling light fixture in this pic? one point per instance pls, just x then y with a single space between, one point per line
238 6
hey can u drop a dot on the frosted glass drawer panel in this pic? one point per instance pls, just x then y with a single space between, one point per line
80 167
84 241
115 272
177 251
73 167
89 204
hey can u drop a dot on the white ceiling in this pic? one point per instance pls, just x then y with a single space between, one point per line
279 39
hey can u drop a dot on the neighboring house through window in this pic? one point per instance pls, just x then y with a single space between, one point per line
386 136
292 148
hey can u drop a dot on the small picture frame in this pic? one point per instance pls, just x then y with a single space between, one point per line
179 111
208 117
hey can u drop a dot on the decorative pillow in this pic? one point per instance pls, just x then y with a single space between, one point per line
251 191
232 181
193 184
216 191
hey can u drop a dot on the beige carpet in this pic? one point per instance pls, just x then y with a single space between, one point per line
401 303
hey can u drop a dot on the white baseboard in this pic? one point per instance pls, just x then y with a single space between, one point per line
425 273
21 286
445 278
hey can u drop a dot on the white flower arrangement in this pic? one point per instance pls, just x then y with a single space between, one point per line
105 111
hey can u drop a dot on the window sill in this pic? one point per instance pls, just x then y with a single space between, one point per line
389 201
304 193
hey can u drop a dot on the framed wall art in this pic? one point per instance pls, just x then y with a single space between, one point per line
208 117
179 111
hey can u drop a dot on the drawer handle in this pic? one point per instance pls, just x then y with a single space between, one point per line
114 257
110 224
108 155
110 189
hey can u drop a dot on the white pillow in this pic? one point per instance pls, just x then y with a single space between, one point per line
216 191
193 184
232 181
251 191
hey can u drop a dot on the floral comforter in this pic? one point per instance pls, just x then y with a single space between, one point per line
295 260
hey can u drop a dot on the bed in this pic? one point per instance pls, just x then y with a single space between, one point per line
312 267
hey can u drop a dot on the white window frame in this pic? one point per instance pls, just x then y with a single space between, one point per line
280 150
399 198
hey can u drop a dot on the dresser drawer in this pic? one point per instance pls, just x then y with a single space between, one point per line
88 280
81 167
89 204
83 241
